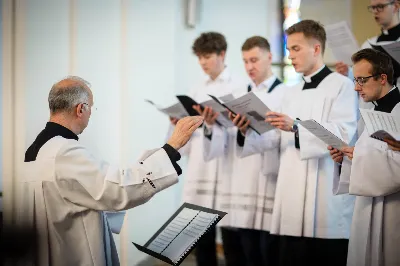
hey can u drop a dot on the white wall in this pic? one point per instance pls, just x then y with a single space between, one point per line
129 50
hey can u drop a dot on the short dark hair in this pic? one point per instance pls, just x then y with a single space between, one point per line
380 62
310 29
209 42
256 41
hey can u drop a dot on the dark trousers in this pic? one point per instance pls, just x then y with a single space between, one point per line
259 247
206 249
312 251
233 248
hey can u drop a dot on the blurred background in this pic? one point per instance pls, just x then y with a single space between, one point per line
132 50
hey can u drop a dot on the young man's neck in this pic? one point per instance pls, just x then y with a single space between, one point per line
385 90
315 68
267 76
217 73
392 24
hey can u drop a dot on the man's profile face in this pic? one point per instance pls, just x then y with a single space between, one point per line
257 62
372 86
211 63
302 52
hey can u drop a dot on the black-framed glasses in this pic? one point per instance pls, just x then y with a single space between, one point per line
379 7
362 80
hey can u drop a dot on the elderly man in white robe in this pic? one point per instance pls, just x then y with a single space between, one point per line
66 189
371 170
313 225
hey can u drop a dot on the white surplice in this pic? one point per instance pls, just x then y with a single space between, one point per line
374 176
247 192
66 190
304 203
202 175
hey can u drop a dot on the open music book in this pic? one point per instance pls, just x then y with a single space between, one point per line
185 108
380 125
252 107
323 134
179 235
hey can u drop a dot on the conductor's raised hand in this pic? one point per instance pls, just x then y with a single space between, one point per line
240 121
278 120
207 113
184 130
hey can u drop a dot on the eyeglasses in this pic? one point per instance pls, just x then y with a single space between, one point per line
379 8
362 80
95 108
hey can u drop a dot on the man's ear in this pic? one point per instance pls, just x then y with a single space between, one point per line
80 109
222 54
317 48
384 79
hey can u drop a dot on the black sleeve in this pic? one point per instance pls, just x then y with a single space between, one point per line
240 139
174 156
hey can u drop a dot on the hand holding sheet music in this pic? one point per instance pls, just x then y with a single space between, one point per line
250 106
380 125
323 134
178 236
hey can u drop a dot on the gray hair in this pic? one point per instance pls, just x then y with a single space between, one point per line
68 93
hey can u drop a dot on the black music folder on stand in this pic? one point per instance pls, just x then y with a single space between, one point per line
173 242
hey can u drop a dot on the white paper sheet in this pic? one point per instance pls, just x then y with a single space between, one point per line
381 125
189 235
341 41
177 110
393 50
172 230
323 134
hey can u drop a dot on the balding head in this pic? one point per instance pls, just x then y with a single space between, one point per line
66 94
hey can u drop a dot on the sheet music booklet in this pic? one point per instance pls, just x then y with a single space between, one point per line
173 242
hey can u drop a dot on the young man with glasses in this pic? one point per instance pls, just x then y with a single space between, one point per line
371 170
386 15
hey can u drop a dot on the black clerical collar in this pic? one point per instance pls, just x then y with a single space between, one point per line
59 130
392 34
388 102
50 131
317 78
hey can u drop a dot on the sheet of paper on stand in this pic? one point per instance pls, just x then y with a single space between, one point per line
176 110
173 242
380 125
323 134
341 41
